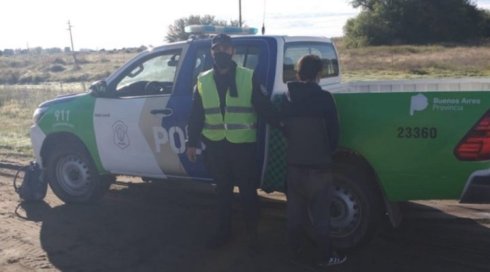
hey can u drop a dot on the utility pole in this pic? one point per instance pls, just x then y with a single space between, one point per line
240 12
72 47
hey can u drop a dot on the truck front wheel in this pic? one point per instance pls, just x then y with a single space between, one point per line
356 207
72 175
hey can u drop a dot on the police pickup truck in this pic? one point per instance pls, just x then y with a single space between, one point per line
400 140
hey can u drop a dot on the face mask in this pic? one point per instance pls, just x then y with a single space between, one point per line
222 60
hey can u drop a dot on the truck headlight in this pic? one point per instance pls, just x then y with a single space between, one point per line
38 114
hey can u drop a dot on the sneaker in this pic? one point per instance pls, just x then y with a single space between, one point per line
333 260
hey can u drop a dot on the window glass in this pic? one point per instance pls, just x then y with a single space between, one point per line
294 52
202 63
152 76
247 56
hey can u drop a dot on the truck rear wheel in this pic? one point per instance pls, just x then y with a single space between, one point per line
72 174
356 207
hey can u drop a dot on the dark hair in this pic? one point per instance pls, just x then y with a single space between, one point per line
309 67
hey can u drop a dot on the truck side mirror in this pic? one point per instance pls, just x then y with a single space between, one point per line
98 88
174 60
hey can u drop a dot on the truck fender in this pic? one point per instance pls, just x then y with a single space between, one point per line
55 139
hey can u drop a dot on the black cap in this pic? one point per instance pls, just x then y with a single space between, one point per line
221 39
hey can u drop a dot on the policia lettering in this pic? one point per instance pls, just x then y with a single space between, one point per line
238 123
174 136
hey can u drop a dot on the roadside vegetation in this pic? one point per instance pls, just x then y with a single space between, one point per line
27 80
17 104
37 68
415 61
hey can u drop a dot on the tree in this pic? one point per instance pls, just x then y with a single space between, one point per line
365 4
176 31
415 22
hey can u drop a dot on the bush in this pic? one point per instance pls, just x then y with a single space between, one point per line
57 68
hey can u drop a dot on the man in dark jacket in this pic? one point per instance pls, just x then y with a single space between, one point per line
312 130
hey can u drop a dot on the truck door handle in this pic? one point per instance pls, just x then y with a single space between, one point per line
165 112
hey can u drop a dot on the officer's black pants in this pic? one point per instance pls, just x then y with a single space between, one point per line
234 164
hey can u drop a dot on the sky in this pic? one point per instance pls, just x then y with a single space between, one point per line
104 24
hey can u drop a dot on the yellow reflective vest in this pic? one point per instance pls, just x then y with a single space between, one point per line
238 123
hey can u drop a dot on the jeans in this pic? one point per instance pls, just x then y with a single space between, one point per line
309 195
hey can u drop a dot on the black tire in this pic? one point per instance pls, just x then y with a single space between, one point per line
356 209
72 175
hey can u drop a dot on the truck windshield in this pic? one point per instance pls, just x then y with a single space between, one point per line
295 50
150 76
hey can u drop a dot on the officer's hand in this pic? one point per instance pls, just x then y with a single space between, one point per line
191 153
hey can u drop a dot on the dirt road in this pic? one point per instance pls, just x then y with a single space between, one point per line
164 226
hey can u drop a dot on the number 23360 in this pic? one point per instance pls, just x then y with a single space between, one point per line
417 132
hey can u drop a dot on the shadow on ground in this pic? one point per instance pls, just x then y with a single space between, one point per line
164 226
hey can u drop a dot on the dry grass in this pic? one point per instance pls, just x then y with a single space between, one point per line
396 62
39 68
17 104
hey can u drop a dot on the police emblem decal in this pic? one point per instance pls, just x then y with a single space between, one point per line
121 138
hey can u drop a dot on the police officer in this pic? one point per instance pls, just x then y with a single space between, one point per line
224 112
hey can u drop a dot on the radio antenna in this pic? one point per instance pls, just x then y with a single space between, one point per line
263 19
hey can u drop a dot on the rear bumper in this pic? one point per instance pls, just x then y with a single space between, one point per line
477 189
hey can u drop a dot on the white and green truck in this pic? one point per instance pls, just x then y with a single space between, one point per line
400 140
